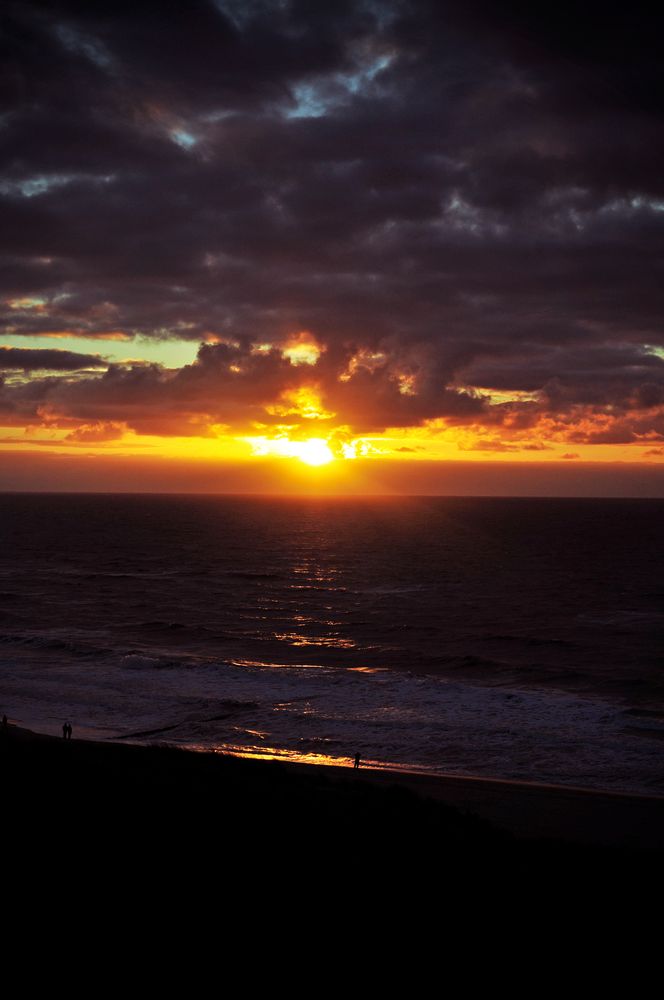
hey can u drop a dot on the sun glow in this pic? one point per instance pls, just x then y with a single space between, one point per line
312 451
303 402
302 349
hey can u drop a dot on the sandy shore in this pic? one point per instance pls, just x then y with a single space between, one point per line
572 815
529 810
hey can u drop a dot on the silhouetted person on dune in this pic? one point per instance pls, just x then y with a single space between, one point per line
357 761
64 730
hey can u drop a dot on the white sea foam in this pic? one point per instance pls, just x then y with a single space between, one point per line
391 718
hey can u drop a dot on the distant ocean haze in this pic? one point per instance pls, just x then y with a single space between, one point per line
510 637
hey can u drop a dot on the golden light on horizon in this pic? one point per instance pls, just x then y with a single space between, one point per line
311 451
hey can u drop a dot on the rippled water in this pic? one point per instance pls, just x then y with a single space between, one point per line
518 638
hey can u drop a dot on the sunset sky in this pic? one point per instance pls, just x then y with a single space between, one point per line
363 246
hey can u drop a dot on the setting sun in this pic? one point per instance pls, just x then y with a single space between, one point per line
313 451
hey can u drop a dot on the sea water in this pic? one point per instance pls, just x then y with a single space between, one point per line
513 638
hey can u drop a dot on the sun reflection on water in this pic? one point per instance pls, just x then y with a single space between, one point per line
310 757
332 642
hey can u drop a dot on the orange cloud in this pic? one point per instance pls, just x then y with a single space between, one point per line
302 349
304 402
98 432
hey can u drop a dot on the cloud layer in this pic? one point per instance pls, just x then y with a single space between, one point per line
462 205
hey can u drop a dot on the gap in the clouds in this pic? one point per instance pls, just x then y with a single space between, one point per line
169 353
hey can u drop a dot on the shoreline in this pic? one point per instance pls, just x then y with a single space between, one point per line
407 773
527 810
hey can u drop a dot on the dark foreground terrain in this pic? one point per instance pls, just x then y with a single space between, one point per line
140 816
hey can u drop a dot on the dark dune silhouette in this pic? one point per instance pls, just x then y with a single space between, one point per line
203 810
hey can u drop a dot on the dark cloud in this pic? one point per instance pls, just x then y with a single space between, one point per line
26 359
474 192
238 386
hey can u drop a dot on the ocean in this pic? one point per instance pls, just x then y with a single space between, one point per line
512 638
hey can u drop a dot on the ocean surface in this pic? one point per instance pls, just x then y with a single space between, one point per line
514 638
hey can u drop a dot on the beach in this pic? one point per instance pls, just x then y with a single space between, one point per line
105 787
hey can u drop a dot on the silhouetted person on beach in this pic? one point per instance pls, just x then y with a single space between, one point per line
64 730
357 761
69 730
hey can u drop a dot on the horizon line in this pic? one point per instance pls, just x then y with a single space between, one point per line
328 496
